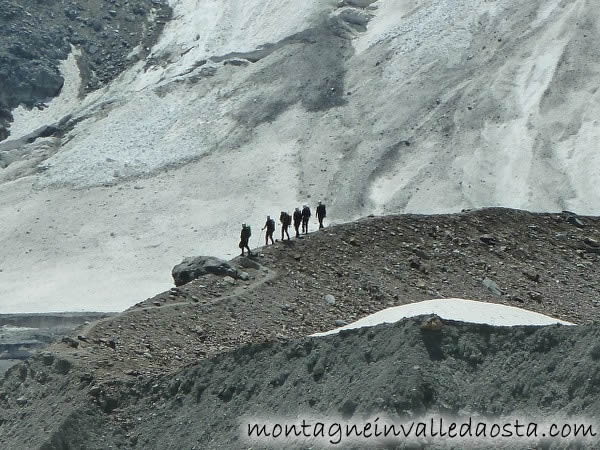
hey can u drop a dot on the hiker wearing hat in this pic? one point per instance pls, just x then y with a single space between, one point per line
305 217
245 238
321 213
270 226
297 221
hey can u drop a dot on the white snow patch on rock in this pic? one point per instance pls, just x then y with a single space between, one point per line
27 120
457 309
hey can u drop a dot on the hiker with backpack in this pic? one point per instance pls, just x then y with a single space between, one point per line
270 226
321 214
286 221
297 221
245 238
305 217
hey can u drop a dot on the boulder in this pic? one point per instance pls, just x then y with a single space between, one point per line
491 286
243 276
432 323
329 299
191 268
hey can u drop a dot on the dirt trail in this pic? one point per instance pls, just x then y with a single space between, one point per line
267 275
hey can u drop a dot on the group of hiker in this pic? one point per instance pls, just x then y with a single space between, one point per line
300 218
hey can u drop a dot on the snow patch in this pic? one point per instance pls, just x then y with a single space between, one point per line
216 28
27 120
457 309
416 25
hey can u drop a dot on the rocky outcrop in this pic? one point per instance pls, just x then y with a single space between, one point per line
35 36
191 268
408 371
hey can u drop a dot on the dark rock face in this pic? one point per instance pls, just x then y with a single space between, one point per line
191 268
408 371
35 36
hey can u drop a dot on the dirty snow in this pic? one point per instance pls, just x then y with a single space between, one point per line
454 309
27 120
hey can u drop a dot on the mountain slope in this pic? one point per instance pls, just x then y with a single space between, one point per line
236 113
187 366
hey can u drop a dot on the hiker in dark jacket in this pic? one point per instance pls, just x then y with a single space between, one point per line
305 217
297 221
286 221
321 214
270 226
245 238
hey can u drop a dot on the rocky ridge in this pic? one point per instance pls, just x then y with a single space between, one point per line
205 346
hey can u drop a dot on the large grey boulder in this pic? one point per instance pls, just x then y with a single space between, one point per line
191 268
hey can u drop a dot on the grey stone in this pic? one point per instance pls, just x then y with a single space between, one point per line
340 323
488 239
329 299
191 268
492 286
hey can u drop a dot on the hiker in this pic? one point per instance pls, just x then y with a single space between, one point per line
270 226
286 221
244 238
297 221
321 214
305 218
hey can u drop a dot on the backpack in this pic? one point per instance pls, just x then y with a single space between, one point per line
271 224
306 212
286 219
247 231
